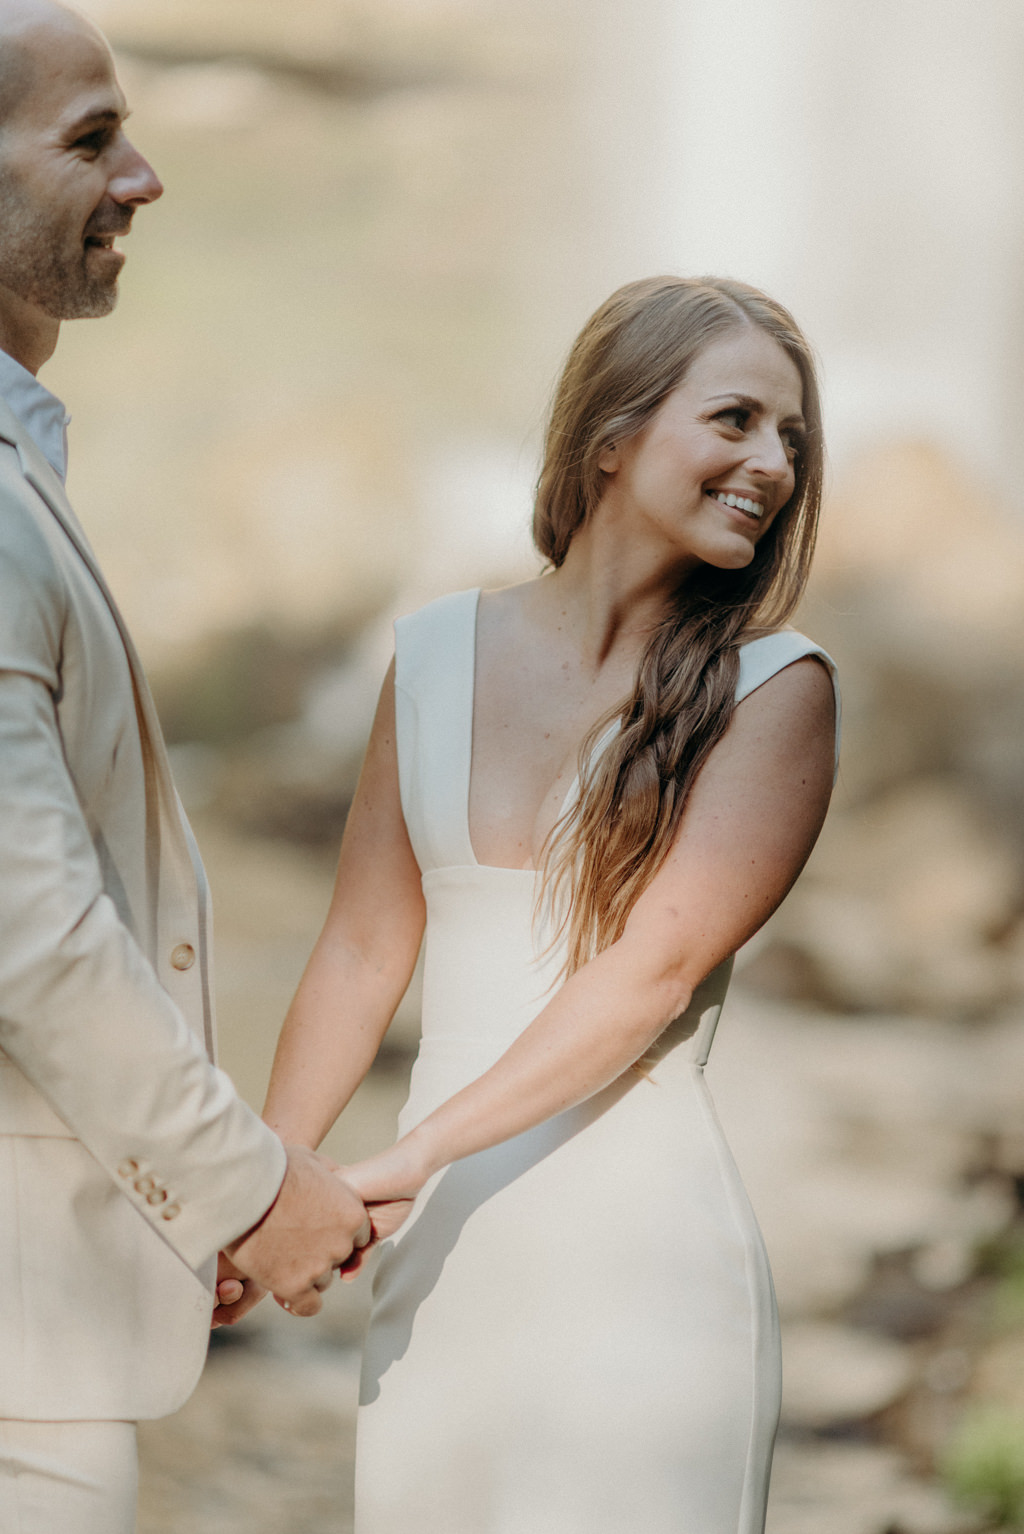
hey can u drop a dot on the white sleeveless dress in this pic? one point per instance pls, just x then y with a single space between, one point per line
575 1332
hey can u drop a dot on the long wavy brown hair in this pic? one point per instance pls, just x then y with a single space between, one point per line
634 351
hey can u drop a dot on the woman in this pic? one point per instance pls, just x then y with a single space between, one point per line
591 788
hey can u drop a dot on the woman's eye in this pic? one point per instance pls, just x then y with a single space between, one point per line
793 441
736 416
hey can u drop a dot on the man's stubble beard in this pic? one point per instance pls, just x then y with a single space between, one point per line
36 266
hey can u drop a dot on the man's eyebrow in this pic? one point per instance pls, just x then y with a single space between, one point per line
99 117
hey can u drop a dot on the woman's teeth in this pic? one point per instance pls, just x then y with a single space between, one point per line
740 502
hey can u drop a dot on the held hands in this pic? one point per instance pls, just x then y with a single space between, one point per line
315 1225
386 1183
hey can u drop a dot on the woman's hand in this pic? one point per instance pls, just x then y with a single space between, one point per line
388 1184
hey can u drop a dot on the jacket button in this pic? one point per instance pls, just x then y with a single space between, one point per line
170 1211
128 1168
183 956
158 1196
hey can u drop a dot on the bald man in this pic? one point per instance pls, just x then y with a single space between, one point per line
127 1161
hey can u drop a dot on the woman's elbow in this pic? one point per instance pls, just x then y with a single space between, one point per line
658 978
674 993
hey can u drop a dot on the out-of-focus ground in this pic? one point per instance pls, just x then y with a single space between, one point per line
318 405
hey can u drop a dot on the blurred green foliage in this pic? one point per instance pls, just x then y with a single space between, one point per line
984 1464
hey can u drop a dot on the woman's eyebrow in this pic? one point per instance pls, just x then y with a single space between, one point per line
749 402
740 398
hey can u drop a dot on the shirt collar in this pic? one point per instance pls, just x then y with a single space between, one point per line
41 413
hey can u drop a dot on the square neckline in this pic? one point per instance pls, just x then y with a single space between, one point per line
472 629
571 791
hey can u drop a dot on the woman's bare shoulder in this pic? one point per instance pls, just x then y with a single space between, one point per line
798 702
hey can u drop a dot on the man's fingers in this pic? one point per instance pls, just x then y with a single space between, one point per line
306 1304
305 1234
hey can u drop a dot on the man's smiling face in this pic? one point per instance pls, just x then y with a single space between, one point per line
70 180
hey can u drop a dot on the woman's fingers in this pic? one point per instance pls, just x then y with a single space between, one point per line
388 1214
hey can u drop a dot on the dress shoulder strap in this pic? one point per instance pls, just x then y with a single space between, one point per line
435 663
763 658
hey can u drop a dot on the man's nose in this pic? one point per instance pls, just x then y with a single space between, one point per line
134 181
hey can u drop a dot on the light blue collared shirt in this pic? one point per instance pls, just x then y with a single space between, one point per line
41 413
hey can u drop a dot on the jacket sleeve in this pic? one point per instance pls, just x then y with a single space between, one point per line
83 1016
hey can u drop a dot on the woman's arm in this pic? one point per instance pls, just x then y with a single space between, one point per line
363 959
751 820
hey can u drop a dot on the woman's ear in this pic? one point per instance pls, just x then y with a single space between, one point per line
609 459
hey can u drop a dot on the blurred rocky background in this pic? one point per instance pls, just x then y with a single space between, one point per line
318 405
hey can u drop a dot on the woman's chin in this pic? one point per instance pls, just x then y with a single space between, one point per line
735 554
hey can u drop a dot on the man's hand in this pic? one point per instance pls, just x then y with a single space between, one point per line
236 1294
311 1228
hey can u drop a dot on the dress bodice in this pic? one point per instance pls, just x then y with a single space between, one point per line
434 686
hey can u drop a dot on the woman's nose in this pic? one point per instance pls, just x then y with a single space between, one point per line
771 456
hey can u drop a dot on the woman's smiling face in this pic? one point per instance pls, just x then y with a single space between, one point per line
712 469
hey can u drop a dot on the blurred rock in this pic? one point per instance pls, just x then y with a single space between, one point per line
835 1376
894 1301
856 1489
905 905
245 681
922 567
286 787
864 1138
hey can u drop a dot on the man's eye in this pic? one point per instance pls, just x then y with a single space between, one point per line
93 143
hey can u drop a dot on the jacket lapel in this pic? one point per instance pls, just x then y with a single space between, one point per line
46 483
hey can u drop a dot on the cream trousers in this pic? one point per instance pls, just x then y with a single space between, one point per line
67 1477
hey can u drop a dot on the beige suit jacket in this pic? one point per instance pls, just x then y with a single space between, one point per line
126 1157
